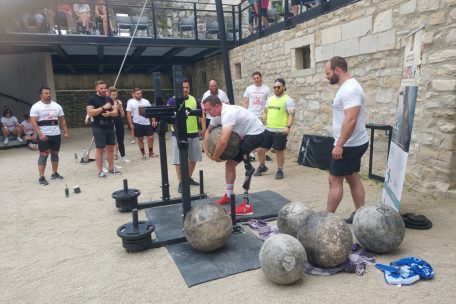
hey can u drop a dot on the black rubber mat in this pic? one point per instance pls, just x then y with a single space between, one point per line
240 253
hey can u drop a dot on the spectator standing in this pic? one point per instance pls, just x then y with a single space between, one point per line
141 125
350 135
193 135
101 108
278 116
118 124
47 119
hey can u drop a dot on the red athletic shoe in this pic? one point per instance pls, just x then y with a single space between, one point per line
244 209
223 200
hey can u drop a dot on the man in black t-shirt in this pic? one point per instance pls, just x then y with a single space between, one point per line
101 109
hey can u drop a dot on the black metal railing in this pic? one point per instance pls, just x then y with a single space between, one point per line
164 19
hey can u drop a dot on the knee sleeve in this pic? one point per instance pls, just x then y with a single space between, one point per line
42 159
54 155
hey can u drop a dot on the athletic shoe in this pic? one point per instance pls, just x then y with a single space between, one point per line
43 181
179 189
19 139
132 141
349 220
101 174
5 142
269 159
153 154
244 209
192 182
261 169
125 160
223 200
56 175
114 171
144 156
279 174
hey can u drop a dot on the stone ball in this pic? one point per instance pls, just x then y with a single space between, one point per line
207 227
232 147
326 238
292 216
378 228
283 259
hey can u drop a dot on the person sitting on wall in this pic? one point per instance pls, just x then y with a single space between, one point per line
10 126
29 135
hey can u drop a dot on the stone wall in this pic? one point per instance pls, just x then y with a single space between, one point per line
371 35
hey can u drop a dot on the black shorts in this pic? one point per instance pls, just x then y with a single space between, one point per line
143 130
104 137
248 144
350 162
275 140
52 143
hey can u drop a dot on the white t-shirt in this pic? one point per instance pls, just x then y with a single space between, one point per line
81 8
221 95
9 122
47 111
133 105
350 94
257 98
28 128
242 120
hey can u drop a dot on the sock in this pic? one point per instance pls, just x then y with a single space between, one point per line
229 189
142 151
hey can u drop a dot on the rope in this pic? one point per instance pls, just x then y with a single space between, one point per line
131 41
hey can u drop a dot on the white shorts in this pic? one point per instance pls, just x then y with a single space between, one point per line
194 150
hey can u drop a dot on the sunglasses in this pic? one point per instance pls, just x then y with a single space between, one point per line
277 87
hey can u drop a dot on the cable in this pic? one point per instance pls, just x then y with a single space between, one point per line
131 41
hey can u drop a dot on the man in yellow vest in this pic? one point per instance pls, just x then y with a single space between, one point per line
278 116
193 135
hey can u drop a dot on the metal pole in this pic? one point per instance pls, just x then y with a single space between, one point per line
224 50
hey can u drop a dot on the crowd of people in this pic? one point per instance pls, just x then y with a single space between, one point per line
79 17
263 121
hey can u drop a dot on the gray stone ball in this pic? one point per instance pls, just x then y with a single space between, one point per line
326 238
283 259
232 147
378 228
207 227
292 216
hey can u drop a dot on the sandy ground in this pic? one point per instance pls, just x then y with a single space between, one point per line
65 250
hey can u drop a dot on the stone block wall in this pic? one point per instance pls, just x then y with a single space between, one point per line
371 35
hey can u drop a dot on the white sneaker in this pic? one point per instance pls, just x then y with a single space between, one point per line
105 170
132 141
125 160
118 168
19 139
6 141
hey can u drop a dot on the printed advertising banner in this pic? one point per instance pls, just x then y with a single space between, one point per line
403 124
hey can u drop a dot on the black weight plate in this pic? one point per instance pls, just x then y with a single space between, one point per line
121 194
129 232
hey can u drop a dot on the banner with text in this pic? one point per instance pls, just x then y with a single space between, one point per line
403 124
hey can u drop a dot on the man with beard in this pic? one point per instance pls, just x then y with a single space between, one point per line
47 117
350 135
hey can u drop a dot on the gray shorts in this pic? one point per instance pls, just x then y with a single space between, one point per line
194 150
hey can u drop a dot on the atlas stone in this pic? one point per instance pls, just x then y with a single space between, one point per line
207 227
232 147
378 228
326 238
292 216
283 259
